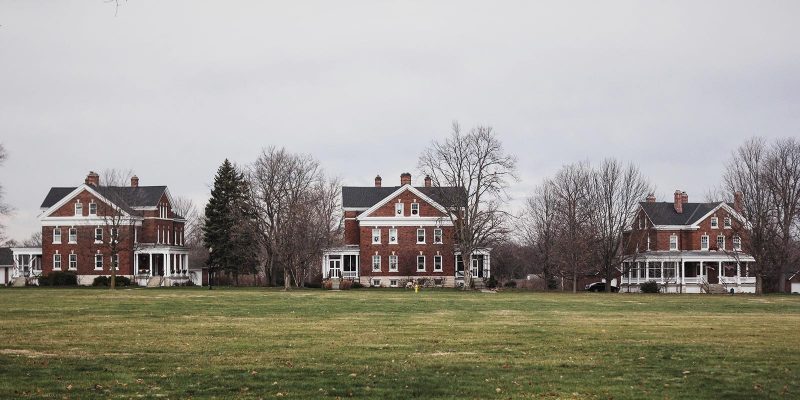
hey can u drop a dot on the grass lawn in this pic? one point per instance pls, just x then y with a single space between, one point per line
257 343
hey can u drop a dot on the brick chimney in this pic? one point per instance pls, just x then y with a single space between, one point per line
651 198
684 197
134 181
405 179
737 201
679 202
92 179
377 181
427 181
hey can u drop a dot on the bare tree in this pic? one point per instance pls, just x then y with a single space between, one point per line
539 225
571 187
5 209
119 218
782 176
35 240
615 192
476 162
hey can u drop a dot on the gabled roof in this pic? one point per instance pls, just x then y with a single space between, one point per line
141 196
6 256
367 196
663 213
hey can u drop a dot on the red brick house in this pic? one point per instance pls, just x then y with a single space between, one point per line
79 223
397 234
688 247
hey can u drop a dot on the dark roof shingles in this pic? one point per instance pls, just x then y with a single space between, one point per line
663 213
141 196
368 196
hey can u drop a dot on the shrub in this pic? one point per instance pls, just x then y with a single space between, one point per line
59 278
511 284
345 284
103 280
491 283
649 287
357 285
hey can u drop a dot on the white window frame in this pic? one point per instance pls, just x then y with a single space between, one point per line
737 242
415 209
393 239
392 282
92 208
73 262
73 239
714 223
114 261
438 234
376 263
113 233
424 267
98 258
78 209
704 242
399 209
376 236
56 261
437 263
98 231
57 235
422 236
376 282
727 223
673 240
718 242
393 263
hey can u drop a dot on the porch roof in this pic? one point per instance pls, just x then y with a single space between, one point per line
354 249
694 255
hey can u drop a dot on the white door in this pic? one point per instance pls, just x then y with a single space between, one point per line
335 268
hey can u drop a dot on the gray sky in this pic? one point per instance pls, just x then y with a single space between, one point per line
170 89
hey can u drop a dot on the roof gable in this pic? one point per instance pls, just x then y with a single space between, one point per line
364 197
141 196
397 193
663 213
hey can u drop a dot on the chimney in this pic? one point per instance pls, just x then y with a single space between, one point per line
134 181
92 179
679 202
405 179
737 201
684 197
651 198
427 181
377 181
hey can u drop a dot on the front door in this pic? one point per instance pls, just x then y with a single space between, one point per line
712 274
477 265
335 268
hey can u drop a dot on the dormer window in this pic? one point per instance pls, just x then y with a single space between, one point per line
414 209
92 208
721 242
376 236
714 223
393 236
78 209
673 242
704 242
727 222
398 209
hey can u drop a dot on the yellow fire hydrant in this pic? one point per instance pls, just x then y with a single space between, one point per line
416 287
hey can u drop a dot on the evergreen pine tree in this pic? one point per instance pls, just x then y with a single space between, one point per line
220 212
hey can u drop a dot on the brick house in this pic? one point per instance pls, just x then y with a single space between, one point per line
79 224
688 247
397 234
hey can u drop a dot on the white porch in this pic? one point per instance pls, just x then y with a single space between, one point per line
27 265
341 262
690 271
170 264
480 266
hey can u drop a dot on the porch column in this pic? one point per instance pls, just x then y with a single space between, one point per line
683 273
135 264
662 272
702 273
187 263
150 265
719 271
166 264
738 273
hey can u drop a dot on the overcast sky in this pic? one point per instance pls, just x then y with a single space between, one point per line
170 89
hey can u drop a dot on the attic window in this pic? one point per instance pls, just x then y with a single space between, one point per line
714 223
398 209
92 208
415 209
727 222
78 209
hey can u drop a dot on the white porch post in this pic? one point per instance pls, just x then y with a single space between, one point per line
646 271
738 273
151 264
166 264
683 273
719 271
662 272
135 264
324 265
187 263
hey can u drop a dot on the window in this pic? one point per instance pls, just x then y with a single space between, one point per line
654 269
437 263
415 209
392 282
115 262
398 209
648 242
73 261
114 232
56 235
73 235
376 263
376 282
437 236
714 223
704 242
56 261
376 236
98 235
393 263
92 208
420 263
673 242
78 209
670 269
421 236
393 236
721 242
98 261
727 222
737 243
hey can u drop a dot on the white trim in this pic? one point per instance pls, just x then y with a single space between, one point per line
86 221
424 235
379 234
66 199
441 236
417 221
424 263
396 193
396 237
727 208
373 263
441 263
396 263
355 208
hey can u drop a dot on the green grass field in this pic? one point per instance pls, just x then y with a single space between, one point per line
256 343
